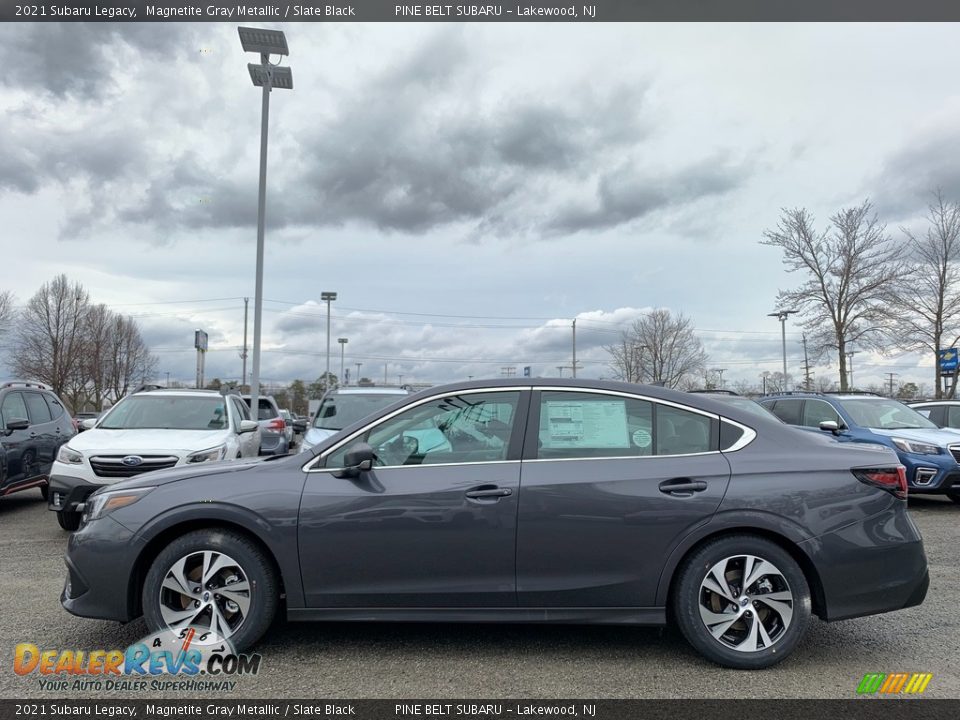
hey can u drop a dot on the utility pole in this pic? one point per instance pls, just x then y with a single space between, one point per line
574 367
328 297
891 375
358 372
384 373
850 365
806 365
719 371
246 307
343 342
400 380
782 315
560 368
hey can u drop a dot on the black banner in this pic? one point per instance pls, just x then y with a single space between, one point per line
260 11
859 709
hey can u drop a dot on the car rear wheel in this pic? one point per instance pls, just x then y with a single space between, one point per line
215 580
68 520
742 601
955 496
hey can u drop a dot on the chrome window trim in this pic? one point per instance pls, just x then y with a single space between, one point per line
749 435
306 467
632 396
621 457
427 465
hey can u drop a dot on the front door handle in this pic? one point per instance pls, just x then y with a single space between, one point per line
682 486
488 492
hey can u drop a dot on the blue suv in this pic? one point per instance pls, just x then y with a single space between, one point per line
930 454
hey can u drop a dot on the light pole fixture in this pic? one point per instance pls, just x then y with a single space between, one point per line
328 297
850 354
266 76
343 344
782 315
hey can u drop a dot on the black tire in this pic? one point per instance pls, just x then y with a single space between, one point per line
69 521
955 497
689 593
264 594
45 491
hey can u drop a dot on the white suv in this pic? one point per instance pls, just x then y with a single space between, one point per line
146 431
344 406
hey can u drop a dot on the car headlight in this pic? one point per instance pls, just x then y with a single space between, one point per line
210 455
68 456
918 448
105 502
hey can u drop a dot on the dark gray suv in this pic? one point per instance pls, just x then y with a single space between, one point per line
562 501
33 426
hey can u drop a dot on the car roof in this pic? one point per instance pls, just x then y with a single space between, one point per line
369 390
180 392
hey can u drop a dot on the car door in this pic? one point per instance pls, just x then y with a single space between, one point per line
250 441
610 484
433 524
18 443
43 430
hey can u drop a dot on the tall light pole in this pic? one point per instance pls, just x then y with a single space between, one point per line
574 365
246 306
328 297
850 355
343 344
358 372
782 315
266 76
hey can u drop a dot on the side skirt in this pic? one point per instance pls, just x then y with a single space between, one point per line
559 615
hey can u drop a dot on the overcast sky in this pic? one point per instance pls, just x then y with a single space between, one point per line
466 189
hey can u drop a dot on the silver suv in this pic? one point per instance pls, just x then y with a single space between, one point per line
345 406
273 428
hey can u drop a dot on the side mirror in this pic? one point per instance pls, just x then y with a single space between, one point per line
88 423
358 459
830 426
300 426
248 426
17 424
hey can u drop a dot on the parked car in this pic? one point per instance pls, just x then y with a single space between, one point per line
288 430
737 401
942 413
931 455
145 431
81 421
273 428
345 406
637 505
33 426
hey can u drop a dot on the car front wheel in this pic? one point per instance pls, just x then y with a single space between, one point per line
742 601
68 520
955 496
216 580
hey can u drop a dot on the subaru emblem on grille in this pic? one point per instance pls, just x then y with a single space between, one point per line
132 460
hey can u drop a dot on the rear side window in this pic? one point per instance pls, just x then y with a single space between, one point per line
37 407
56 409
586 425
953 416
12 408
267 411
788 411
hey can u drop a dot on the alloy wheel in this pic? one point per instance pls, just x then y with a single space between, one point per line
205 589
746 603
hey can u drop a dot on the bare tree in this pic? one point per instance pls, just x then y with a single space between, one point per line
131 361
929 308
49 336
659 348
6 310
851 271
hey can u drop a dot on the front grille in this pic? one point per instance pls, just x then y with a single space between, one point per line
112 466
955 451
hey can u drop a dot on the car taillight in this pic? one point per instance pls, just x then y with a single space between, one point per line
278 424
893 480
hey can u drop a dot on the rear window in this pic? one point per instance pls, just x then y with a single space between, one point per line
266 412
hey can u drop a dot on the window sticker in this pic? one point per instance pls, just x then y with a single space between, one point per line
642 438
587 424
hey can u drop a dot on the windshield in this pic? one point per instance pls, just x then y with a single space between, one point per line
338 411
142 412
749 406
885 415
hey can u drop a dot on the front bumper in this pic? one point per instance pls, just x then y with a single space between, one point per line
100 562
67 492
873 566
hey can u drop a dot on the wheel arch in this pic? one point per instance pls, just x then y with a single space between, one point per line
668 579
154 546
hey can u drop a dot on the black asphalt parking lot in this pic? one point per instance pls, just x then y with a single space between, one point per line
462 661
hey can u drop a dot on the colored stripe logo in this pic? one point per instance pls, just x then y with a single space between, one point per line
894 683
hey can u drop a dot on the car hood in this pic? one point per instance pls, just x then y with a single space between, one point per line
118 442
313 436
941 437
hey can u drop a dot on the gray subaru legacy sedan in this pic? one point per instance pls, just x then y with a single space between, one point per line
559 501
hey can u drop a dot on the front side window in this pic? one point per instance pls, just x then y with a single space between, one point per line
243 412
13 408
142 412
953 416
818 411
587 425
471 427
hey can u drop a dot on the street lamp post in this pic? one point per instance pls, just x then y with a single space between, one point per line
850 355
782 315
343 344
266 76
328 297
358 372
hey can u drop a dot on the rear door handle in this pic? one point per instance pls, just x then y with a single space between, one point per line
682 486
488 492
